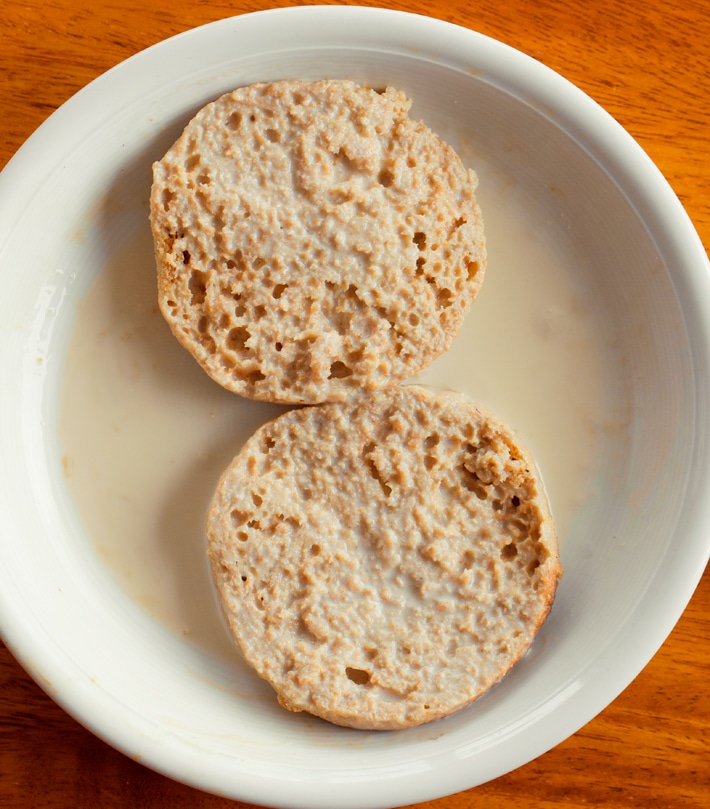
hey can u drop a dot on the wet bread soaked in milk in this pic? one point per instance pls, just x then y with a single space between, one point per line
387 554
383 562
313 240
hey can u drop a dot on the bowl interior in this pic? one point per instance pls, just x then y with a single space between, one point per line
589 337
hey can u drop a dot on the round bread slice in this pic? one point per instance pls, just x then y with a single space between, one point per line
383 562
311 240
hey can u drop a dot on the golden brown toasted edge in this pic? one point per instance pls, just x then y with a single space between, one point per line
357 332
313 681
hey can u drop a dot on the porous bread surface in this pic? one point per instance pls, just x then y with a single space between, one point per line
383 562
312 240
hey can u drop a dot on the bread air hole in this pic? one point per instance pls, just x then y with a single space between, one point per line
431 441
509 551
419 239
358 676
239 517
472 268
457 224
385 178
445 297
168 197
279 290
234 121
237 339
339 370
205 340
192 162
197 284
375 472
473 483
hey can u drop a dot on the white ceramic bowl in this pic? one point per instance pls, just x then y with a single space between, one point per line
593 327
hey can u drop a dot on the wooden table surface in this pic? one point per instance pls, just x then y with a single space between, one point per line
648 63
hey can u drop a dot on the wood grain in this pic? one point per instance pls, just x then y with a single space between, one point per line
648 64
